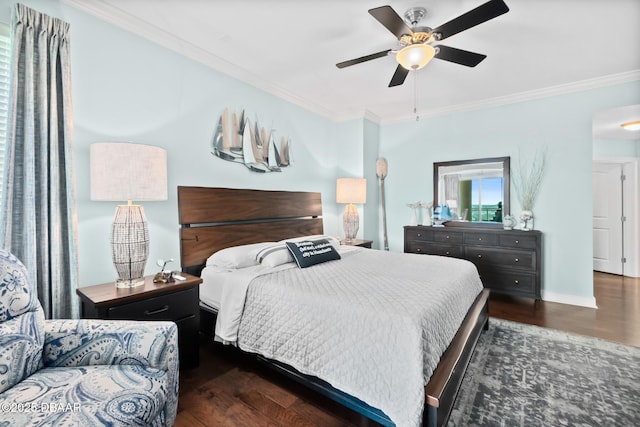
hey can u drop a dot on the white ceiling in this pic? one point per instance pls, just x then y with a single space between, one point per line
290 47
606 124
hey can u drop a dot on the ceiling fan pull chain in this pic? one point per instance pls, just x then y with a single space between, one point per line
415 95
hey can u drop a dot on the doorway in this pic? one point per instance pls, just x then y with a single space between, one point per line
616 241
608 221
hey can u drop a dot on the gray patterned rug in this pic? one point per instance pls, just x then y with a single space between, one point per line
523 375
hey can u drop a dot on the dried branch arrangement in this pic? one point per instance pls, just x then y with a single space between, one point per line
526 181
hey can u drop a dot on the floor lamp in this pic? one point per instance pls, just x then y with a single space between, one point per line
350 191
127 172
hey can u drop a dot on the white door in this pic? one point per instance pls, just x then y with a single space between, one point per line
607 218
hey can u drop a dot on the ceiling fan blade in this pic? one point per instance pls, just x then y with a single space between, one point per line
472 18
459 56
363 59
398 76
391 20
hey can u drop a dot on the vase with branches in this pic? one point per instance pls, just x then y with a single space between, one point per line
526 182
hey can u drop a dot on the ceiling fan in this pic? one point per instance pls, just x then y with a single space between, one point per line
415 43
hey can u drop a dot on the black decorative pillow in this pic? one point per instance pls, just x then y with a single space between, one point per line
308 253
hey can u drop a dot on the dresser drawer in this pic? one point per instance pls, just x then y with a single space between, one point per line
485 239
445 250
418 234
172 306
431 248
509 282
518 241
447 237
501 258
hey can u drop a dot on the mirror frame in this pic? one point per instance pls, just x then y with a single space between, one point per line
506 188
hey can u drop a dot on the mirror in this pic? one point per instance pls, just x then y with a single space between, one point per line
474 192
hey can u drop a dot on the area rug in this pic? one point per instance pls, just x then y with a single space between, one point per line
523 375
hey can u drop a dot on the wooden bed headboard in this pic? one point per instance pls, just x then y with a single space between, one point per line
212 219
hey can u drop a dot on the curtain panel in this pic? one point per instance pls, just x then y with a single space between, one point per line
39 222
451 183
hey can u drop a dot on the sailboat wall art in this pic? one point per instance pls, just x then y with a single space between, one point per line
238 139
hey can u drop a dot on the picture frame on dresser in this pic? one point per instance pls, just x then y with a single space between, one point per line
508 261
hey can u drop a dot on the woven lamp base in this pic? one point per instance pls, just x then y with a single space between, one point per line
130 245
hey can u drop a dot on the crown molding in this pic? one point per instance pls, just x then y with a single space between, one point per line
157 35
368 115
579 86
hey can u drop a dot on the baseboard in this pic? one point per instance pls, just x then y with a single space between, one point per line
589 302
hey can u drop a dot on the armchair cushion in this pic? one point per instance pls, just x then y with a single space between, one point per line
119 395
91 342
21 323
110 342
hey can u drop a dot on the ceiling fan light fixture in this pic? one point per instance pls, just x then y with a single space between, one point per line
635 125
415 56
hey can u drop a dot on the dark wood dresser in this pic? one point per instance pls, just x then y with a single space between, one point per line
509 261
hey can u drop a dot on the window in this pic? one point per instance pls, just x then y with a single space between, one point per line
486 201
5 56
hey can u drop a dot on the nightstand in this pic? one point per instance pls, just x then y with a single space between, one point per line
177 301
358 242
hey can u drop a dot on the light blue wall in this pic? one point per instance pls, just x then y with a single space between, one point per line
372 214
615 148
355 158
560 124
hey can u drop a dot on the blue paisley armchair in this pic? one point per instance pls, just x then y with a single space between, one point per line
80 372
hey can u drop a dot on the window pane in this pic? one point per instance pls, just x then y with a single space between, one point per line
486 199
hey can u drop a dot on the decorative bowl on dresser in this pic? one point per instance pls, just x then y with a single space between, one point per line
177 301
509 261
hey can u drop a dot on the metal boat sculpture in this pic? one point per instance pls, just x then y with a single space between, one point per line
237 139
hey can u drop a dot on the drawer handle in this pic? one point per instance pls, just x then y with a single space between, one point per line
419 235
447 253
480 239
479 256
159 310
516 281
418 250
517 241
446 237
517 260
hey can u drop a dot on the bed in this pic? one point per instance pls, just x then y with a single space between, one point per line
214 219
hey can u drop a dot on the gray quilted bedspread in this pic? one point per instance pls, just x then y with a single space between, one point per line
373 324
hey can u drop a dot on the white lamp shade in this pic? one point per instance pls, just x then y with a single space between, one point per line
351 190
123 171
415 56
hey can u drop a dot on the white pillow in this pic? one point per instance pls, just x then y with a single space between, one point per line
277 253
237 256
274 255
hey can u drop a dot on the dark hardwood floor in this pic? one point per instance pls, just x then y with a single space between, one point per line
229 389
616 319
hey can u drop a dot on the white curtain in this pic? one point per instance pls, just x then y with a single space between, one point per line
39 223
451 184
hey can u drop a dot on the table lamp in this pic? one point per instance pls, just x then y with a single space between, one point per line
127 172
350 191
